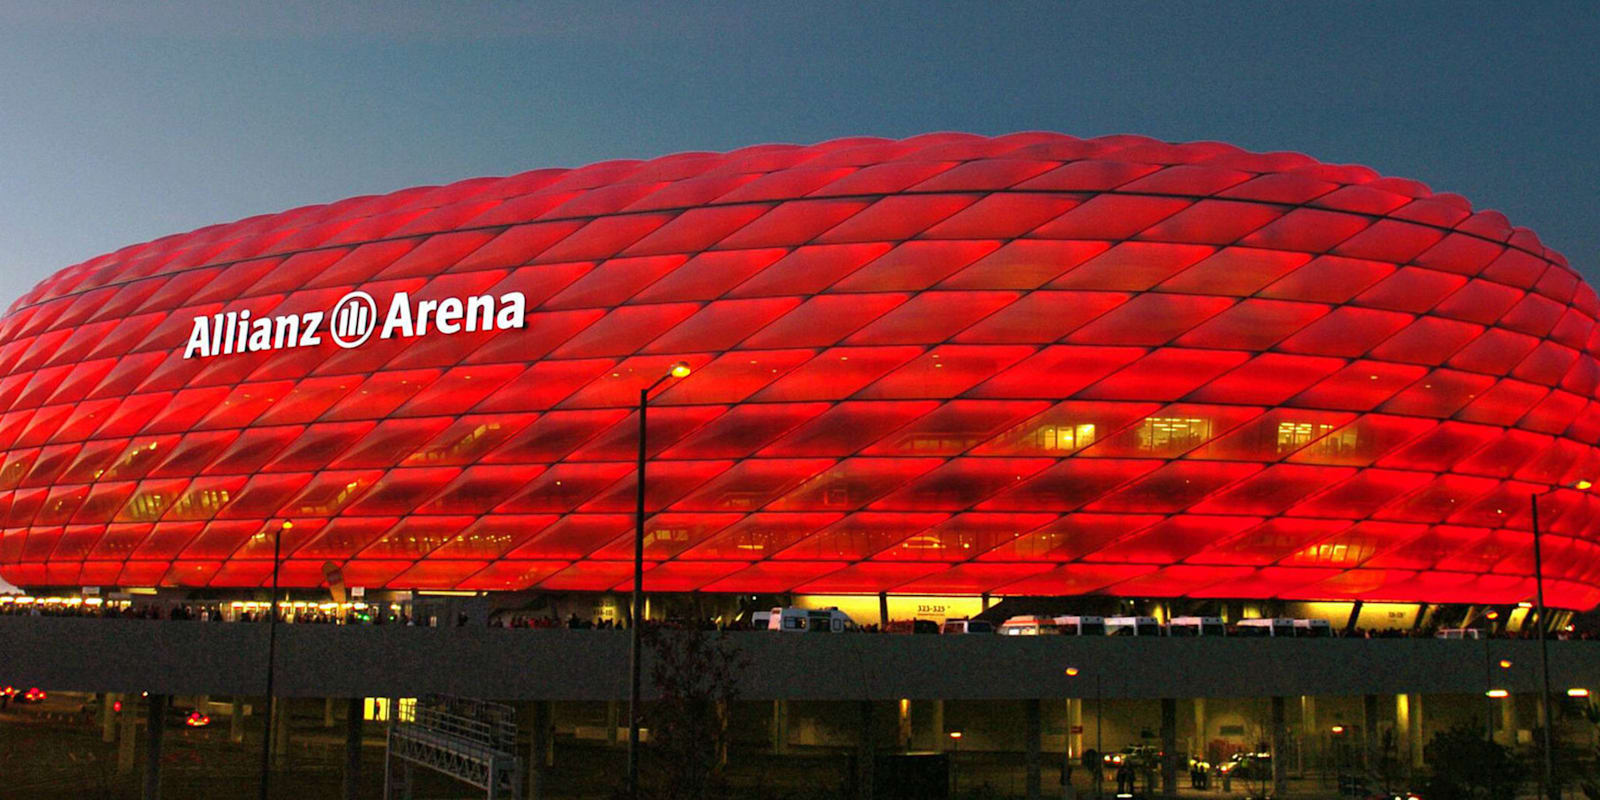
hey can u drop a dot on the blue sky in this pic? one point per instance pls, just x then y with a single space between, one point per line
121 122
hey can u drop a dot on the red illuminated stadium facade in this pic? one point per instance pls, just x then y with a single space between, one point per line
1022 365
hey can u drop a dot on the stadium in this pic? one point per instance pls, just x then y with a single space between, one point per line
949 366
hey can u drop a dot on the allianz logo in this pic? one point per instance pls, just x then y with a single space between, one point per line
352 321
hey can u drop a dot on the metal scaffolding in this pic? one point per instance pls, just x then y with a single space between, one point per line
472 741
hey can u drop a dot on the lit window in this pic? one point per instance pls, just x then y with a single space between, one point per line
1173 435
1064 437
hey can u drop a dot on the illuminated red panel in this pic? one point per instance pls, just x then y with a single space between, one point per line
948 364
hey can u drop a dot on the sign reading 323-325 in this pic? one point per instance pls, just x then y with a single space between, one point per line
351 322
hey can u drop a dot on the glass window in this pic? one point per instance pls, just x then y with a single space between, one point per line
1173 434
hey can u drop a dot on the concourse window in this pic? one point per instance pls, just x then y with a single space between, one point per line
1338 444
1173 434
1065 438
203 504
468 447
146 506
666 536
1295 435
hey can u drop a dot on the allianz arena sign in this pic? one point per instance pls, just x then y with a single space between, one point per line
351 322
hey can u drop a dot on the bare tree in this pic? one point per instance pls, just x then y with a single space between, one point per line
696 675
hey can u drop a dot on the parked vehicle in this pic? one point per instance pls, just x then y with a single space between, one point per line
810 620
1458 633
1313 628
912 626
1133 626
1138 756
1196 626
1028 625
968 626
1080 626
1249 766
1277 627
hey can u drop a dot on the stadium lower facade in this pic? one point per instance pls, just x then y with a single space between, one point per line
950 365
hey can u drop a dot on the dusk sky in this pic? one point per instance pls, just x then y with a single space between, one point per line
122 122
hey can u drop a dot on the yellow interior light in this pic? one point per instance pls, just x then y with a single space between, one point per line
1577 692
1497 693
680 369
1582 485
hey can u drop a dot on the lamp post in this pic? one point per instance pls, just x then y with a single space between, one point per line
1099 715
272 657
1547 787
677 370
1488 688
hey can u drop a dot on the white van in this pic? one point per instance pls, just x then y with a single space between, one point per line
1132 626
1458 633
810 620
1028 625
1313 628
1197 626
1277 627
1080 626
968 626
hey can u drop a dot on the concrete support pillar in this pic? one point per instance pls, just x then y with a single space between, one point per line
883 611
940 741
1074 727
327 712
1169 747
541 751
724 714
236 720
1414 730
613 713
866 753
780 727
1402 728
1033 732
126 736
1279 745
1370 755
352 748
1202 739
108 717
280 733
1310 736
155 726
1508 720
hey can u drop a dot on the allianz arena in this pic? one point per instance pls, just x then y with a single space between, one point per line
1028 365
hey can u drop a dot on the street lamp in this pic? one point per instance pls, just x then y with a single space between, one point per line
1547 785
678 370
272 656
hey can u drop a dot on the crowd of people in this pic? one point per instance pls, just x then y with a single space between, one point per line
349 614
